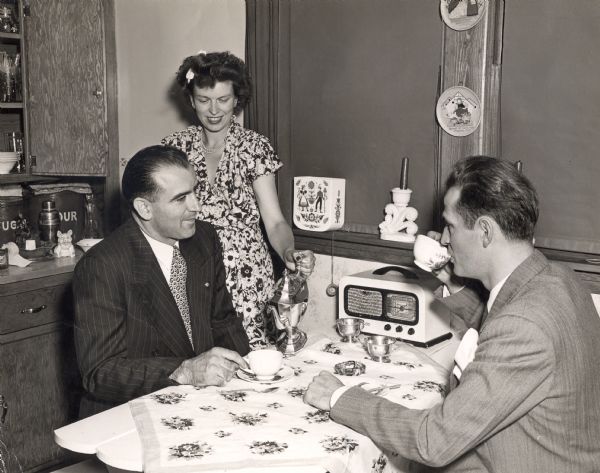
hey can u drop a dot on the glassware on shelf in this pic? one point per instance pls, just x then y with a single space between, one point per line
8 19
10 80
91 228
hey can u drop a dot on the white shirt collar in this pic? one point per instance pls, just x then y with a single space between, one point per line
494 292
163 253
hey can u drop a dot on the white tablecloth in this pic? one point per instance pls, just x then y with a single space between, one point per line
218 429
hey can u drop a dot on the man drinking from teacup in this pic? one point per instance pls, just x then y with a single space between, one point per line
528 401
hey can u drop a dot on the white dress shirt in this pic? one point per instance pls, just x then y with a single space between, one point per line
163 253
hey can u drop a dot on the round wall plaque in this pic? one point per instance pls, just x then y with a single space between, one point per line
462 14
458 111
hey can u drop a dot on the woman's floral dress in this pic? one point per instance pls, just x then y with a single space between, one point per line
230 205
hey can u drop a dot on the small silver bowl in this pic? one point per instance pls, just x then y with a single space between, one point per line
349 368
349 328
379 347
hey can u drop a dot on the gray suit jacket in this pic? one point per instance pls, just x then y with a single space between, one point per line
528 402
129 335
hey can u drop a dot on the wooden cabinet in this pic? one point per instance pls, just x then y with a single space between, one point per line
68 111
67 87
13 117
39 379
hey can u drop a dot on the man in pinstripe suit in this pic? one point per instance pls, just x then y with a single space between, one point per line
529 400
130 336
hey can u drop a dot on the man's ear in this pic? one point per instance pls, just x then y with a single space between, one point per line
143 208
486 230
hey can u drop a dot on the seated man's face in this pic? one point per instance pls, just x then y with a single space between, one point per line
175 206
463 243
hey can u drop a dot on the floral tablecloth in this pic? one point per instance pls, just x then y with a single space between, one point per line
246 425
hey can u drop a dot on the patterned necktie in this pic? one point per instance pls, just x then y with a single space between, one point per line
177 286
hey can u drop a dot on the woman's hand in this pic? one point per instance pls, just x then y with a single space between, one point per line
300 260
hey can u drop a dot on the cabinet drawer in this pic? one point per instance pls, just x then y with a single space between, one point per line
33 308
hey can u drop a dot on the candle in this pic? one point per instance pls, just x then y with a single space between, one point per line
519 165
404 174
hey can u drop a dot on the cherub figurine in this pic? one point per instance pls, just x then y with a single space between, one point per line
65 246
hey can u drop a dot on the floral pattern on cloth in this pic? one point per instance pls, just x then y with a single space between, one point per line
229 203
245 425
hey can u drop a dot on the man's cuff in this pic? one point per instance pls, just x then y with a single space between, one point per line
337 394
446 291
172 380
181 375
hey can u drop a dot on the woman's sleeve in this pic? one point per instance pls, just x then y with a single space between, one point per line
265 161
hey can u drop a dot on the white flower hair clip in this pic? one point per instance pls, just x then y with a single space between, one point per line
189 75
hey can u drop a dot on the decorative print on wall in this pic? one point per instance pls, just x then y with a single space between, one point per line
462 14
319 203
458 111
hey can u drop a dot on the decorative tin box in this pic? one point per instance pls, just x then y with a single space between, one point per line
319 203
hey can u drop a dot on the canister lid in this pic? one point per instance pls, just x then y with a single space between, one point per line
48 205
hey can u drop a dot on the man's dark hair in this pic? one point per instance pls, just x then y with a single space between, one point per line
494 187
138 176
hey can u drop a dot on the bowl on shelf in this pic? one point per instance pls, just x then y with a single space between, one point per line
8 159
87 243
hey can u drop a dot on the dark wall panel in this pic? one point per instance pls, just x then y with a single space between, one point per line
551 113
363 85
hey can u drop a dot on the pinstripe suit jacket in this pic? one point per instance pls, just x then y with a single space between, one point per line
528 402
129 335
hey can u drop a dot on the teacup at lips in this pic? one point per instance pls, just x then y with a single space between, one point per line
429 253
265 363
349 328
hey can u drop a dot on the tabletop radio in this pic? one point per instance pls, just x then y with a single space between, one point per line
396 302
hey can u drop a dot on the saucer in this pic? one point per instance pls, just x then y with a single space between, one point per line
283 374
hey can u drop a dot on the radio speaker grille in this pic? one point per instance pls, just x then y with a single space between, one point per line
364 302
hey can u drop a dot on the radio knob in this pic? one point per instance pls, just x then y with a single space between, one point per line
411 331
399 328
387 327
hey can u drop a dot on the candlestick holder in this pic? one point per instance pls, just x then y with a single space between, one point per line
399 223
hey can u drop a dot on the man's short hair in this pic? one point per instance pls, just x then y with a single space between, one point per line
494 187
138 176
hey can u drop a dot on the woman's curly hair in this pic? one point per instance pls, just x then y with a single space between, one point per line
210 68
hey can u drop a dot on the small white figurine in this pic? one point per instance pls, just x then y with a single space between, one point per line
65 246
399 223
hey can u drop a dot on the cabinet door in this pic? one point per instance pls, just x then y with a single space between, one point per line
66 79
38 381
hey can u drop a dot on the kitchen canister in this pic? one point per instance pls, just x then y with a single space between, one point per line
70 206
49 221
319 203
10 208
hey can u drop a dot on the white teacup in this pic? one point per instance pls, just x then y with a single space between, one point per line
265 363
429 254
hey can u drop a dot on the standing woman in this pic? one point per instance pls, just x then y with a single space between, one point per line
235 186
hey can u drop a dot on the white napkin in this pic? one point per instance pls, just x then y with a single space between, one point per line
14 258
465 352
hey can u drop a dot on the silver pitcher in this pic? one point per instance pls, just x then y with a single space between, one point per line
287 306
